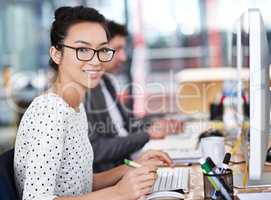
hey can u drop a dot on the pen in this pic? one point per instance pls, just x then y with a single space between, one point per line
211 181
131 163
225 163
217 191
214 168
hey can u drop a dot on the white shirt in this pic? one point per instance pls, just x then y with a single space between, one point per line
114 112
53 155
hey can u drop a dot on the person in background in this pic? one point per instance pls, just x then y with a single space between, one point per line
7 116
113 131
53 156
6 76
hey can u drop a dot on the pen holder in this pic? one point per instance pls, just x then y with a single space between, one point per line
225 178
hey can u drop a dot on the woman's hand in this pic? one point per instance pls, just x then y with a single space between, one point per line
137 182
158 158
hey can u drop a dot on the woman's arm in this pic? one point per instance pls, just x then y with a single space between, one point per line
44 144
109 178
109 193
136 183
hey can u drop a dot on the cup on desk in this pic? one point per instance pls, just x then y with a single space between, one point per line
213 147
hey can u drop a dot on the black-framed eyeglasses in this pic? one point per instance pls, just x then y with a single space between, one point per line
104 54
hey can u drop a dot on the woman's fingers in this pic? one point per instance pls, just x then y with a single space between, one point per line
147 177
163 156
146 190
146 170
147 183
142 197
155 162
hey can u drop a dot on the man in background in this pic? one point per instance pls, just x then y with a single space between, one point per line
113 131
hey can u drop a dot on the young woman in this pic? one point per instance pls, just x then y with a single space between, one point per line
53 155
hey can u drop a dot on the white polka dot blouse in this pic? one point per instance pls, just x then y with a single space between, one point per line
53 155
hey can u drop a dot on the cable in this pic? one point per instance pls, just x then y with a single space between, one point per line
237 162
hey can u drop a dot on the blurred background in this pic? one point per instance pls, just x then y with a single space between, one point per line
175 35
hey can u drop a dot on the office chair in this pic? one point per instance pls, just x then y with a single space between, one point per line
7 184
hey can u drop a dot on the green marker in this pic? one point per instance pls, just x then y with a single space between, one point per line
211 181
131 163
205 166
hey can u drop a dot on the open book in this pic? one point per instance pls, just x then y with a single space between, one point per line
171 183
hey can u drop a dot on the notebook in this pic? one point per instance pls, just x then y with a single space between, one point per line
171 183
182 148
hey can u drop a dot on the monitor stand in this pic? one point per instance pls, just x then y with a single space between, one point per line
265 181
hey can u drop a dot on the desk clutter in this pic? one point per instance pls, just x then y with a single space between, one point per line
199 140
218 181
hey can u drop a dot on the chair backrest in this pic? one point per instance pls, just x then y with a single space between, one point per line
7 184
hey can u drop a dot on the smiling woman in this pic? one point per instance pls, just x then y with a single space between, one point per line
53 155
78 56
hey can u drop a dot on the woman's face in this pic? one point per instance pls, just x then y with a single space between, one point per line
86 74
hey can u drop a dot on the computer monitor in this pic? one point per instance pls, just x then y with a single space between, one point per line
259 94
254 53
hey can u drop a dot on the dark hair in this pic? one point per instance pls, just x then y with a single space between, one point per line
65 17
115 28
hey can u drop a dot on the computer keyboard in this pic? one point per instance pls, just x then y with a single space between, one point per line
169 179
